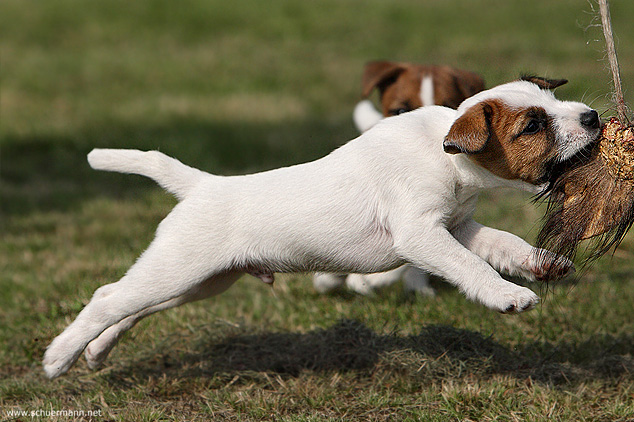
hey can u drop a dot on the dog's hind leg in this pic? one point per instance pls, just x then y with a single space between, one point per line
168 270
98 349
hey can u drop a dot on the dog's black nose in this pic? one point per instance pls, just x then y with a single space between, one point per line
590 119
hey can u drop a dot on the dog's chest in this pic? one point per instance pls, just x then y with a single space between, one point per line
464 204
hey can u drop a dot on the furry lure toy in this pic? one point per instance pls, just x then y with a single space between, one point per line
592 195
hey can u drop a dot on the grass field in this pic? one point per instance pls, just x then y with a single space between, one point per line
235 87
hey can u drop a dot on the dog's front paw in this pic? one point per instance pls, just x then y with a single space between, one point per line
513 299
519 302
544 265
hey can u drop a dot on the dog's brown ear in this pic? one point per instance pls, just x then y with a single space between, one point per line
544 83
470 132
467 83
380 74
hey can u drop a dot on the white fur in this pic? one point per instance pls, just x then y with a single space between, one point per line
389 197
427 91
365 115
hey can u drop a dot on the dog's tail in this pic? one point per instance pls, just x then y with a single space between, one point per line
173 176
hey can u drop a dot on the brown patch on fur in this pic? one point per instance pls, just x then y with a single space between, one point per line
399 85
593 196
494 135
452 86
544 83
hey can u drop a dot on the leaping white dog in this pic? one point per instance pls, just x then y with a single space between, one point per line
403 192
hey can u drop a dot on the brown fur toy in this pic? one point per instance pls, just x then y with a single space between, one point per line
592 196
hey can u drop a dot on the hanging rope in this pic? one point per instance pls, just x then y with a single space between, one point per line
622 109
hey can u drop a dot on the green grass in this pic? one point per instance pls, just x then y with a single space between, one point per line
235 87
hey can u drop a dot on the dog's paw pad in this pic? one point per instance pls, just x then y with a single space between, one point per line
519 301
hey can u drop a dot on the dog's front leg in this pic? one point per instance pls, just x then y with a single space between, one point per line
435 249
510 254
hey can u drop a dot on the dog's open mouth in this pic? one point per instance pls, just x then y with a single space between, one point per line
591 195
556 169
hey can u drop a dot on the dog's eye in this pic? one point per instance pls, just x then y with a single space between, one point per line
398 111
533 127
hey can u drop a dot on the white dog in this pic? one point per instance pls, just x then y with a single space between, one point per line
403 192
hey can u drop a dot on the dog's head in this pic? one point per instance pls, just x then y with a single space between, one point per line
521 131
404 86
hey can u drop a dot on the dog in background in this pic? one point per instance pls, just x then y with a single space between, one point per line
405 87
402 87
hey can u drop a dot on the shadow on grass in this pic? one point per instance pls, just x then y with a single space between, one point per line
437 353
52 174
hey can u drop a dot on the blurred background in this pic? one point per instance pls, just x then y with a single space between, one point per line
244 85
239 86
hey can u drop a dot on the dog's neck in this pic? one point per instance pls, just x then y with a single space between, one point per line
474 177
